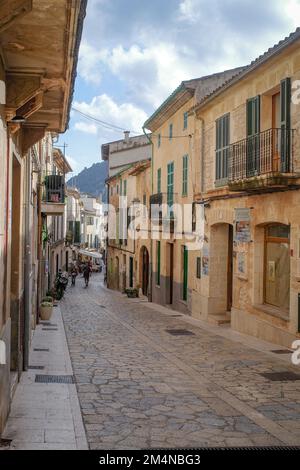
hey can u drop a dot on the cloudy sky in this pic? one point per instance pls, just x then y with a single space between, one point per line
134 53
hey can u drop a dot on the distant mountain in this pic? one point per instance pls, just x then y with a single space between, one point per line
91 180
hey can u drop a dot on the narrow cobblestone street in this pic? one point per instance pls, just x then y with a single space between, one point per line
141 387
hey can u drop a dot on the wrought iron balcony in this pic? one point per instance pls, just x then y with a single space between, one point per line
53 199
262 160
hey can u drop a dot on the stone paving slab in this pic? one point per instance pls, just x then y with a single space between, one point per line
46 416
140 387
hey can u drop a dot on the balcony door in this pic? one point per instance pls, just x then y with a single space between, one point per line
253 142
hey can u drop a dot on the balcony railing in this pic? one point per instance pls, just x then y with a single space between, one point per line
54 189
268 152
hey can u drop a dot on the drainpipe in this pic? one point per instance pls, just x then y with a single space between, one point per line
151 241
202 156
27 265
6 222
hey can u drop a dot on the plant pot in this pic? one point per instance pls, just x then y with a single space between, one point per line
46 312
132 294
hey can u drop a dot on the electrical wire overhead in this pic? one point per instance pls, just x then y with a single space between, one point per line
110 126
105 124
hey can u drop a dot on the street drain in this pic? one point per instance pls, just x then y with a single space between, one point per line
173 316
5 442
180 332
47 323
50 329
36 367
41 349
54 379
281 376
281 351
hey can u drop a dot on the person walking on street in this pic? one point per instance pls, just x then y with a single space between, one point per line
74 274
86 274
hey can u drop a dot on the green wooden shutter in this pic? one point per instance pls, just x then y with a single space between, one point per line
185 120
125 188
170 131
285 123
198 267
77 232
185 175
222 146
159 140
185 273
159 180
170 187
253 130
131 271
158 263
218 149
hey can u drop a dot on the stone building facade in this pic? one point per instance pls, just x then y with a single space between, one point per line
129 252
249 155
37 73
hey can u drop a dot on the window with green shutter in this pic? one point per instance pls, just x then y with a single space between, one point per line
170 131
285 123
121 187
198 267
158 140
170 187
125 188
131 271
159 180
185 160
222 147
185 274
158 263
253 130
185 120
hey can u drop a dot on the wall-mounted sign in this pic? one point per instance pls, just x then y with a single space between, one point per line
242 225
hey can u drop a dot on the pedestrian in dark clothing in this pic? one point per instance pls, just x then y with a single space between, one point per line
86 274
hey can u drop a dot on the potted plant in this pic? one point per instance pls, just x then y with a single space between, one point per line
46 310
132 292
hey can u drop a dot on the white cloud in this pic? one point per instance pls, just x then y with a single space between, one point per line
75 165
151 73
188 11
89 64
89 128
103 107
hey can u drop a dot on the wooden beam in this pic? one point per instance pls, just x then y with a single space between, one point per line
31 106
21 88
11 11
31 135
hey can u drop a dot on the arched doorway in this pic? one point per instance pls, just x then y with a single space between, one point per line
221 268
277 266
144 270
